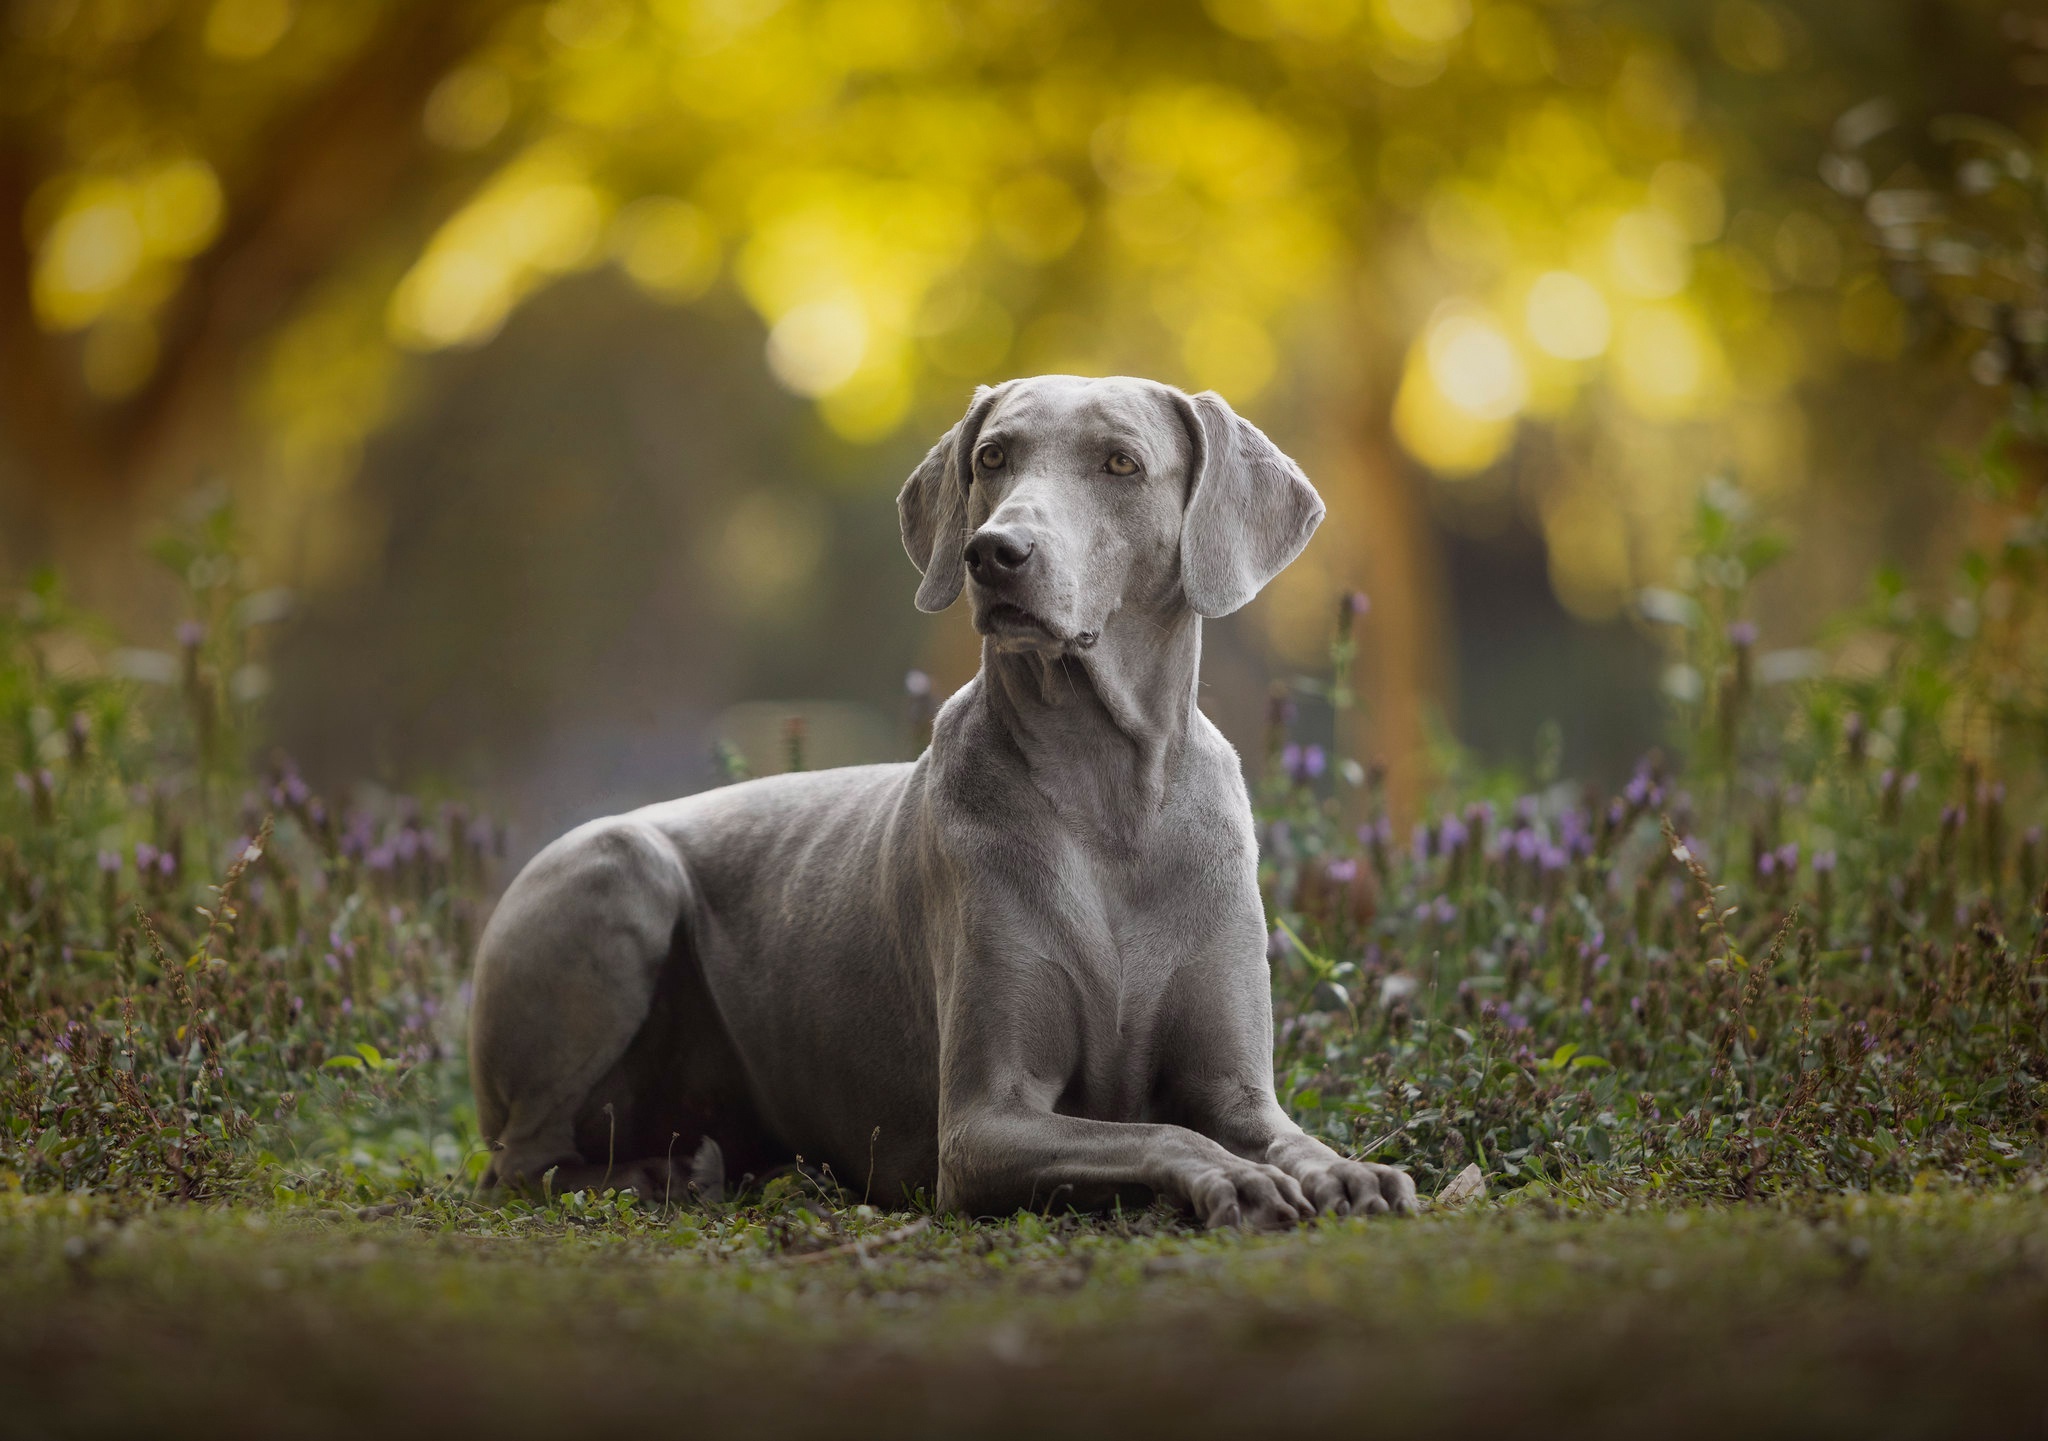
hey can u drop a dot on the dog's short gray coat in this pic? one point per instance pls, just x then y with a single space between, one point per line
1027 969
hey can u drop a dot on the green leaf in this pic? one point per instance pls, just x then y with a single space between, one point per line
1579 1063
345 1063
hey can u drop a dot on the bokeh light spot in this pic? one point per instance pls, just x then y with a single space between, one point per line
468 108
667 246
180 208
1691 197
1649 255
1425 22
246 29
816 348
1475 366
1665 361
1567 316
93 250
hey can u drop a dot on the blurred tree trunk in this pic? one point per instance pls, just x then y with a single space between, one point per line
1384 538
349 157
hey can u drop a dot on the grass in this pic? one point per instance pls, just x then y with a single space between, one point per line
1880 1316
1752 1052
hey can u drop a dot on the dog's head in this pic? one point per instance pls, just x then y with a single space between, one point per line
1060 501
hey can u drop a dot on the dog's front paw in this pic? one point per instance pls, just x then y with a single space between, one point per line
1248 1194
1359 1188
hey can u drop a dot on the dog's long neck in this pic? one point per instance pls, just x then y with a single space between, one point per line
1103 730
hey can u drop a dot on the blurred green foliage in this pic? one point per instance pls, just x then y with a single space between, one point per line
1658 237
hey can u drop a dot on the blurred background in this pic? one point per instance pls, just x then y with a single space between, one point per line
558 363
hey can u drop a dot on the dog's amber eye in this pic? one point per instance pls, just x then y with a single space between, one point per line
1121 464
989 457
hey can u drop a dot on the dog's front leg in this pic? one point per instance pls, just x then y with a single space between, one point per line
1221 1082
999 1157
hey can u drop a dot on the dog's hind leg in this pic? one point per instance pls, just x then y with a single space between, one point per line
566 975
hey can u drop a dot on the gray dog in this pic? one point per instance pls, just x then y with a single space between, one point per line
1027 969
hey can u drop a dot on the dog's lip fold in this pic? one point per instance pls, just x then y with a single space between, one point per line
1009 613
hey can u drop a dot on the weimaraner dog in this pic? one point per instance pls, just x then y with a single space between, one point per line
1027 969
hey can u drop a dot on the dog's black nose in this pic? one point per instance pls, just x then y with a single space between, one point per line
994 553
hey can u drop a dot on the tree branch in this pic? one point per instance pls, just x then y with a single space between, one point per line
343 165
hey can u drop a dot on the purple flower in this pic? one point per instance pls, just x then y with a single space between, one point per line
917 684
1527 847
1278 945
1767 865
1452 834
1313 761
1742 634
348 1006
145 858
1823 863
1445 911
191 634
1423 842
167 865
1635 1003
1290 760
1600 963
1343 872
1788 857
1586 1006
1357 602
110 863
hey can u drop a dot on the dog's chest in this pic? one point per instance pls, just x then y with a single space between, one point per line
1154 928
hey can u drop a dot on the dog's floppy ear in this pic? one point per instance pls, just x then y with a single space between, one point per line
1250 513
932 507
